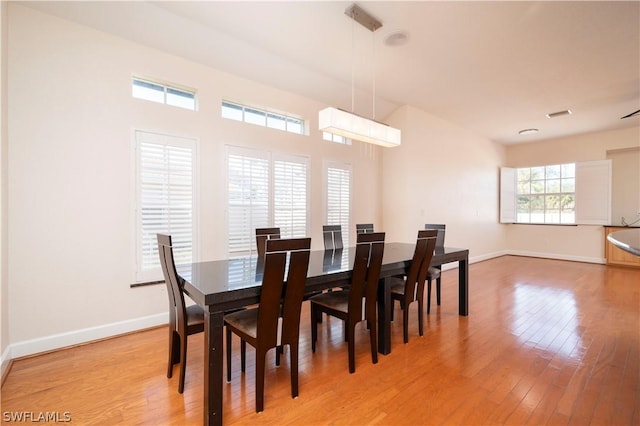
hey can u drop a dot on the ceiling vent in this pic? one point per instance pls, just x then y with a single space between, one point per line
559 113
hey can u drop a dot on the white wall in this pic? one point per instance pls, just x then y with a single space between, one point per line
581 243
443 173
70 182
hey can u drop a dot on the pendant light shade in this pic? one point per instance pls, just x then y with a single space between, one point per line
349 125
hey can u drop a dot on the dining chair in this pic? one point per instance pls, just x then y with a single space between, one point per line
183 320
410 288
346 304
262 235
435 273
276 321
364 228
332 237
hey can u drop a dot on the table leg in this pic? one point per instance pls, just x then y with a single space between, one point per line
213 366
384 316
463 287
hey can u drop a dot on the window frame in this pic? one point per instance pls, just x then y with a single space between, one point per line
166 89
592 194
290 120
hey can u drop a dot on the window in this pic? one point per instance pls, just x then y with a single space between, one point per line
336 138
573 193
262 117
265 189
164 200
163 93
546 194
339 198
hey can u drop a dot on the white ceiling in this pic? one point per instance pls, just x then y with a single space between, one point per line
492 67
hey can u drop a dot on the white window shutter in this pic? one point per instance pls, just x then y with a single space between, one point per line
339 199
593 192
507 195
290 199
248 198
165 200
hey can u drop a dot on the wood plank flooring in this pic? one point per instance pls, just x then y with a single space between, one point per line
546 342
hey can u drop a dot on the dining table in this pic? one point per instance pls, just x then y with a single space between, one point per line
220 286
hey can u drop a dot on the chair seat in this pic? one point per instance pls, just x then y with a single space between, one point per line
195 314
434 273
335 300
397 285
245 321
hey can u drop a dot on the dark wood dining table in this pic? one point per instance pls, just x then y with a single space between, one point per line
223 285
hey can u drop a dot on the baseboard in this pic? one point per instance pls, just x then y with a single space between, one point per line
5 363
62 340
558 256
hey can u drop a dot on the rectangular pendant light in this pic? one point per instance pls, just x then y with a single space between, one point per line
349 125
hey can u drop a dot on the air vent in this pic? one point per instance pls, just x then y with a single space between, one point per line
558 114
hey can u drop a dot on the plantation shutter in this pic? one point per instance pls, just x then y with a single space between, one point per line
165 200
507 195
339 198
248 198
290 196
593 192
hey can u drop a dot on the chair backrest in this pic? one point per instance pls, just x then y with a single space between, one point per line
273 308
332 237
364 228
440 228
366 272
262 235
177 305
422 255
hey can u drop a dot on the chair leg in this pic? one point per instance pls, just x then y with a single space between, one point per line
228 355
293 355
429 296
260 361
243 355
174 351
351 332
405 323
438 290
420 299
314 326
279 351
373 336
183 362
393 305
421 316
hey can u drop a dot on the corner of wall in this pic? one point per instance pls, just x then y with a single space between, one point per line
4 299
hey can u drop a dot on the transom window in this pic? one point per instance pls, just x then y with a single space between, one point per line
546 194
336 138
155 91
263 117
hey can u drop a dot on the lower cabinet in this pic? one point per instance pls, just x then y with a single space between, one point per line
616 256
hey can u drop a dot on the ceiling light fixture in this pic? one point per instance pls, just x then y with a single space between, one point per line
559 113
528 131
396 38
348 124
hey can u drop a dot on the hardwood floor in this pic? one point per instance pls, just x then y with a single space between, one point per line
546 342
